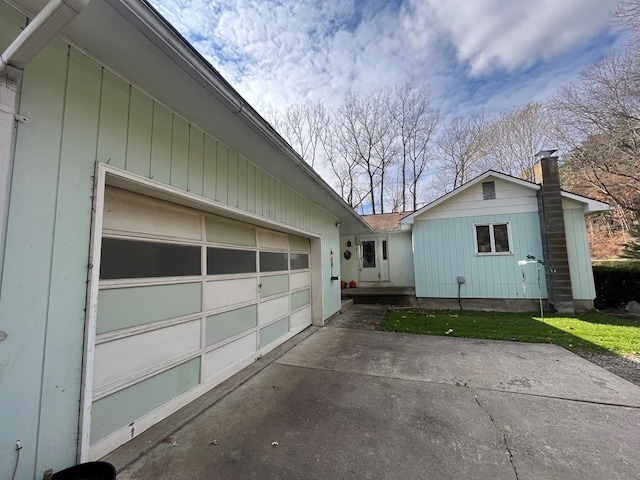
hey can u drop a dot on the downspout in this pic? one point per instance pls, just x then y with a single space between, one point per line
46 25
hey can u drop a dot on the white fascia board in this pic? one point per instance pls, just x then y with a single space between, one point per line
589 205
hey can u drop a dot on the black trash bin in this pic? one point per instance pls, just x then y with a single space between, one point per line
87 471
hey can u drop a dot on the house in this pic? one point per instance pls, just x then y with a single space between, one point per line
157 235
495 243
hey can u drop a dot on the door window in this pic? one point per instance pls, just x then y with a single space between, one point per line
369 254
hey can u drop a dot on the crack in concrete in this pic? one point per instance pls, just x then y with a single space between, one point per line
504 437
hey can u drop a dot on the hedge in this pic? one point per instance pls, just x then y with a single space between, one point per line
617 283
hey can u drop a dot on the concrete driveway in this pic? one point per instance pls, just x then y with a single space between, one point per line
346 403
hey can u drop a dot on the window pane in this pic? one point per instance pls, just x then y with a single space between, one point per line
501 237
273 262
369 254
137 259
384 249
222 261
299 261
483 238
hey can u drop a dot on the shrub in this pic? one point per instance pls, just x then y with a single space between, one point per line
616 282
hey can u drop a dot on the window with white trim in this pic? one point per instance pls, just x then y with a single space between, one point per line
493 238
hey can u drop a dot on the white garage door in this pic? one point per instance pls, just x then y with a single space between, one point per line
185 300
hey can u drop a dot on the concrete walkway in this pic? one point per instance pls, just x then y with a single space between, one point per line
356 403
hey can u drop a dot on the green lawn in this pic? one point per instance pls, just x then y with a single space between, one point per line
595 332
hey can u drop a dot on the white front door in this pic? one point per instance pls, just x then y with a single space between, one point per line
374 260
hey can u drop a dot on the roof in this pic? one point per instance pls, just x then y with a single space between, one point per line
385 221
589 205
121 32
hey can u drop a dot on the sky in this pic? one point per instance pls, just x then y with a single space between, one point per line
474 54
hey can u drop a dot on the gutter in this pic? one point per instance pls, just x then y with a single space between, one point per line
38 33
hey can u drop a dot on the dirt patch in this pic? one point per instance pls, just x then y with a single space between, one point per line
627 367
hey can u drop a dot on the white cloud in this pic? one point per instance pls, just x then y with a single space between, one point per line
506 34
474 53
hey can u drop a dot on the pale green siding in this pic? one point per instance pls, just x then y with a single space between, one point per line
80 114
582 283
444 250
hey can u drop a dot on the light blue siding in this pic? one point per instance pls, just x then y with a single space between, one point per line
582 283
444 250
26 284
65 325
139 135
114 120
81 113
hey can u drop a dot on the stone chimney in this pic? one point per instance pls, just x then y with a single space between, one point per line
554 241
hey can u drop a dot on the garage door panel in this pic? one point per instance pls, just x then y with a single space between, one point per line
301 318
123 407
226 293
300 280
127 357
273 285
228 355
271 239
298 243
299 299
188 288
120 308
227 324
128 212
229 232
273 309
273 332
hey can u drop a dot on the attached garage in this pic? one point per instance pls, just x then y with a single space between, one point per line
156 236
185 299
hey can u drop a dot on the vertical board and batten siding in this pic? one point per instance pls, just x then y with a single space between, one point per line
444 250
81 113
582 283
444 245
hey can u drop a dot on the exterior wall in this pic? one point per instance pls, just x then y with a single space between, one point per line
348 268
401 260
82 113
443 245
444 250
582 283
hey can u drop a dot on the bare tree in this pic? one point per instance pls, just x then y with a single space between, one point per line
460 150
511 141
364 134
416 123
598 119
627 15
304 126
